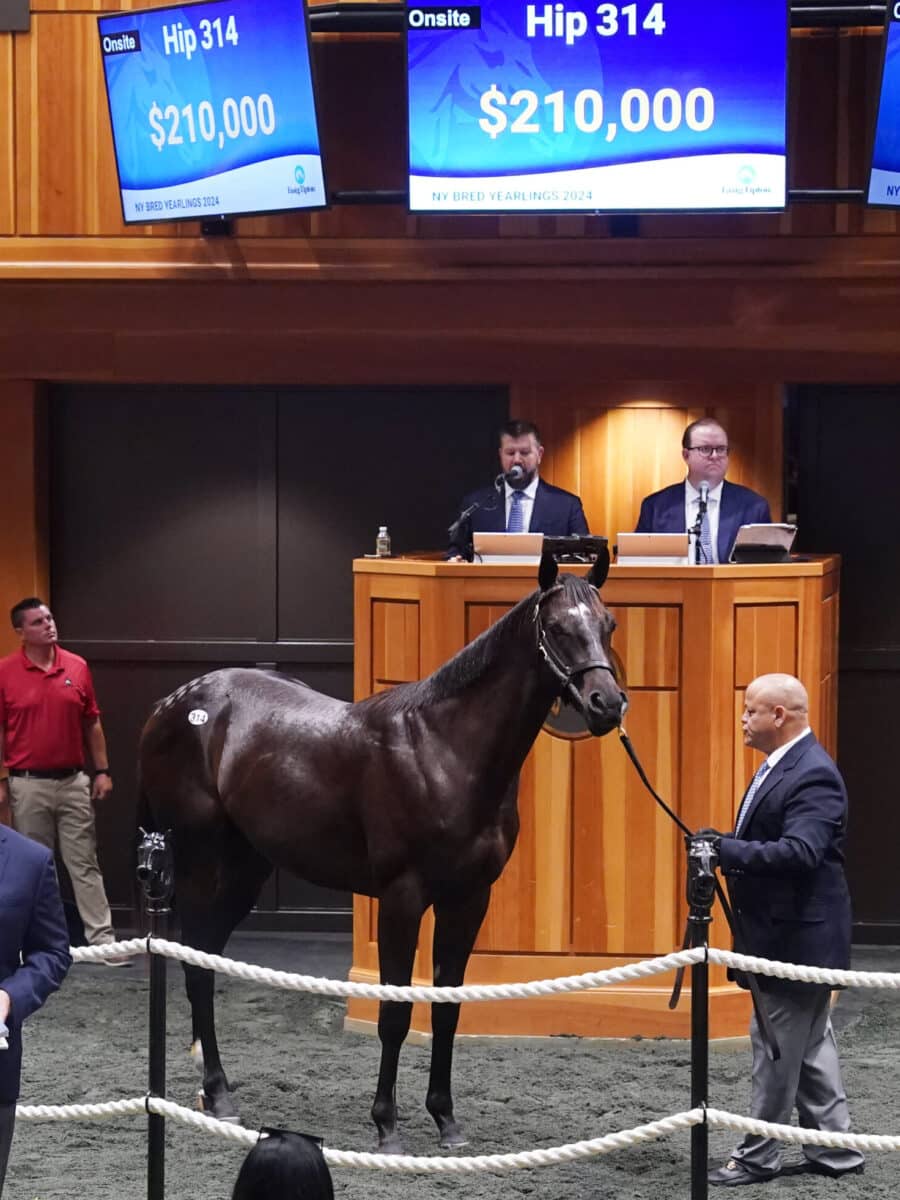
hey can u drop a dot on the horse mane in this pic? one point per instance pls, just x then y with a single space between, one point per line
488 650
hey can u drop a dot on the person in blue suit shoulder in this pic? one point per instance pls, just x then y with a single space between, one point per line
518 501
34 958
674 509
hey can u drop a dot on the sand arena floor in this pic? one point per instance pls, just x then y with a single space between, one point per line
292 1065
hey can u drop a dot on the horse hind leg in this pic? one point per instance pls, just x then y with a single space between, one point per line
456 927
206 924
400 911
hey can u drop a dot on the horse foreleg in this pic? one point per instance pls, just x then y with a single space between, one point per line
400 911
456 927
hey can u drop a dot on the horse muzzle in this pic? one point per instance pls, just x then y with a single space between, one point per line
601 701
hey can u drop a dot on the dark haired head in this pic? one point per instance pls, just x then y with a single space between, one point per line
18 611
517 429
284 1166
694 425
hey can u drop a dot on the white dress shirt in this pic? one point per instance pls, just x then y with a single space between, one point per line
777 755
713 503
528 495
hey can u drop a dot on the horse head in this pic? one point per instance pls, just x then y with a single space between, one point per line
574 628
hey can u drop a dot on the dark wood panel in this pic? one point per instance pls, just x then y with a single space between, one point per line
156 502
845 488
351 459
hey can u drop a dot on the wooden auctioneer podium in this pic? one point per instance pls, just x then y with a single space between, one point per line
597 879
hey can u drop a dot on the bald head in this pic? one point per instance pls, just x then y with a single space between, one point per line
776 710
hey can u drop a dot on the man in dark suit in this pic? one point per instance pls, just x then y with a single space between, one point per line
518 501
675 509
785 869
34 957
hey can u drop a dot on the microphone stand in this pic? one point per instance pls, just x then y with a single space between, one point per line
468 550
695 531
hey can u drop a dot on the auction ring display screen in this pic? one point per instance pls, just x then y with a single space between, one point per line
212 109
659 105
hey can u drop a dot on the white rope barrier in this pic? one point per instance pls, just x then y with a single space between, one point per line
316 985
434 1164
405 1163
826 975
797 1135
412 1164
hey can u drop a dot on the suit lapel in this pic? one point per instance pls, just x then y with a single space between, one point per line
728 523
538 516
673 519
783 767
4 852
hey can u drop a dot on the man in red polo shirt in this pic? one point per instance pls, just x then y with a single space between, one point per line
48 715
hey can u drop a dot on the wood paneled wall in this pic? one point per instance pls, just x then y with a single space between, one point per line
613 442
23 560
58 179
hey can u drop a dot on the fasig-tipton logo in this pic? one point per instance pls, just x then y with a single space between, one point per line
302 189
125 42
443 16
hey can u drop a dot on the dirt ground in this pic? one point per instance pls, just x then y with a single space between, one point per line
293 1066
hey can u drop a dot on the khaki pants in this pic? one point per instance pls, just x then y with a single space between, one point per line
59 812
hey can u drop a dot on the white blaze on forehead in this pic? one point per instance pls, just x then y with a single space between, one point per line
582 610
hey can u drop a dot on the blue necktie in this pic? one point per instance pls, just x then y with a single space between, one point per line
516 522
706 537
755 783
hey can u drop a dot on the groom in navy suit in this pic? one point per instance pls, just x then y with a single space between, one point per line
518 501
704 448
784 864
34 957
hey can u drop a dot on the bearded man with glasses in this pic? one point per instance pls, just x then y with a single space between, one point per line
704 448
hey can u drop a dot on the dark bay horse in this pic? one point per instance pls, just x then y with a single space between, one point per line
409 796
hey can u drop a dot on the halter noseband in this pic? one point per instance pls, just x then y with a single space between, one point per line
564 674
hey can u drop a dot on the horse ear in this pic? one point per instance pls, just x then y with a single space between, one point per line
600 569
548 571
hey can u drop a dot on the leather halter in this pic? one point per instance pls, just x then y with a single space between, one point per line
564 674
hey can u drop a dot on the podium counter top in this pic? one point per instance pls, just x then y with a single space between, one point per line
813 565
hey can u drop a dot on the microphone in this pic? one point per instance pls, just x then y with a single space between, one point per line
703 489
514 475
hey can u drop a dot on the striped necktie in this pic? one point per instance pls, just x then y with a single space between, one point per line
516 522
706 548
754 787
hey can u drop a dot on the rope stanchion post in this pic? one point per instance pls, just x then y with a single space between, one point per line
702 858
156 875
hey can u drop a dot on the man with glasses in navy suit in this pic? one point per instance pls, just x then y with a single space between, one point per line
676 509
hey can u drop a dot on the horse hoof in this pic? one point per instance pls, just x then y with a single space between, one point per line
452 1139
390 1144
223 1110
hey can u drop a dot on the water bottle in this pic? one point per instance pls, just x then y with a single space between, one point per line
383 543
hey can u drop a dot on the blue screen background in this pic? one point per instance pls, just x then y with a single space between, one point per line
272 55
738 51
886 151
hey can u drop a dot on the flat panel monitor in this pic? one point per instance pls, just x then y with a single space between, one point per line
571 106
213 112
884 172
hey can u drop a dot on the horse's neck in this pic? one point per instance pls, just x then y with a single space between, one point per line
496 716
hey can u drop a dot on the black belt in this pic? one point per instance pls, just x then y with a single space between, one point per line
34 773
